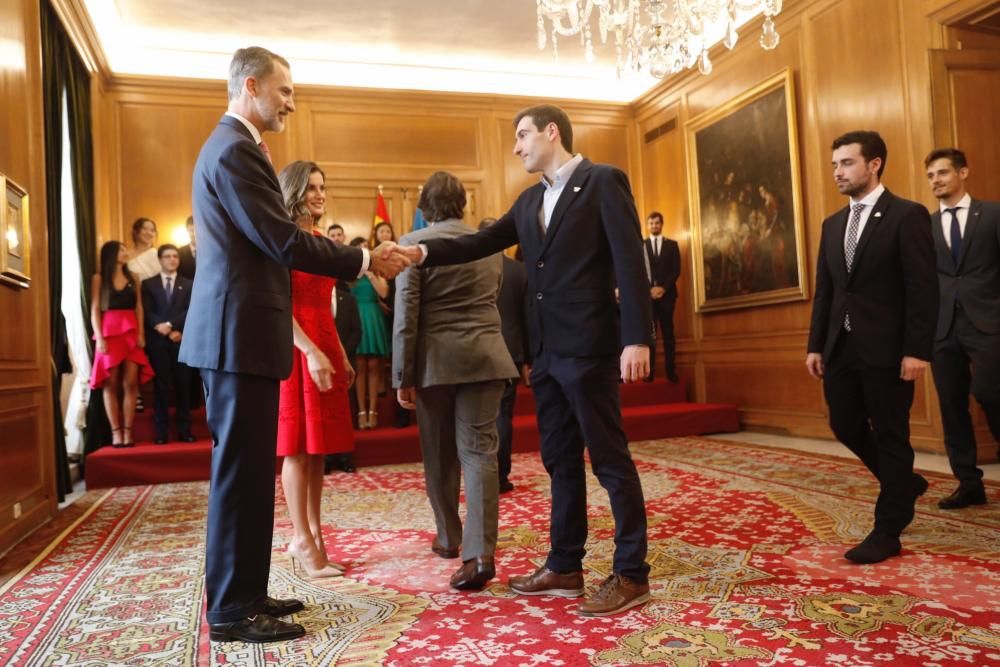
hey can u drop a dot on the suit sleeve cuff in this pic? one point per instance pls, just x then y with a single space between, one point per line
366 260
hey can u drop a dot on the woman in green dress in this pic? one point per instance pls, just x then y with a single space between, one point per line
375 344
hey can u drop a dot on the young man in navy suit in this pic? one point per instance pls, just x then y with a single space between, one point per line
165 301
239 333
579 231
967 349
872 330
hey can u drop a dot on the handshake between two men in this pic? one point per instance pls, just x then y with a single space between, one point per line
389 258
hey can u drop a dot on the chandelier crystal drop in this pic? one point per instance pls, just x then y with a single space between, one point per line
662 36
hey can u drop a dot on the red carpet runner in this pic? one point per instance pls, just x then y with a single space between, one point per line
653 410
746 551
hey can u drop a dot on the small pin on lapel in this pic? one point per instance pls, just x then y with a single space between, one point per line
878 214
576 188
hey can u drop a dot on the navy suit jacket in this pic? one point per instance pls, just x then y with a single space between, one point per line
891 292
155 308
974 281
240 319
593 243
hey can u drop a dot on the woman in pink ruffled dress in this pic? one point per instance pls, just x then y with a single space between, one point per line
120 364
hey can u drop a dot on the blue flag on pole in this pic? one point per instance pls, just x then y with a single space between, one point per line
418 220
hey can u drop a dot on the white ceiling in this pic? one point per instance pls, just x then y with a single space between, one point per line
481 46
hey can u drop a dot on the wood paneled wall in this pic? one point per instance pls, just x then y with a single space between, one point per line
27 489
846 78
151 133
147 134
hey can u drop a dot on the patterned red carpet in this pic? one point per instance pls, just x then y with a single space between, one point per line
746 546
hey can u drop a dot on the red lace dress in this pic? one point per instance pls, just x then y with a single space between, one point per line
309 421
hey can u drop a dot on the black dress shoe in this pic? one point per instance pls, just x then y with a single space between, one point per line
874 549
964 496
506 486
919 485
160 441
442 550
277 608
187 437
258 629
473 574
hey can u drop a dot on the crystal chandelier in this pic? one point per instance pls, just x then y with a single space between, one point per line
673 36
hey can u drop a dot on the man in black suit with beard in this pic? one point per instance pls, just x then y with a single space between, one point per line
967 350
580 234
239 333
664 257
872 330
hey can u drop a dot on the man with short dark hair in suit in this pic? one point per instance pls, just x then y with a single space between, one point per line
165 300
348 322
511 302
580 234
872 330
664 258
967 349
239 333
189 253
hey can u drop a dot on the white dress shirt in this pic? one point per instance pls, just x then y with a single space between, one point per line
553 190
657 241
869 203
255 133
963 216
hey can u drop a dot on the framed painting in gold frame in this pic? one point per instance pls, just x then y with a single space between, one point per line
745 196
15 236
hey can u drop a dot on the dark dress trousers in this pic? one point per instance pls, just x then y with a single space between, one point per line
163 352
593 242
189 263
967 349
891 297
348 321
511 304
664 269
239 333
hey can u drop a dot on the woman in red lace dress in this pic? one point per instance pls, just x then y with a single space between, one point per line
314 416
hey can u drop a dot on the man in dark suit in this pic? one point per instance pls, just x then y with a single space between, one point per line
580 235
188 253
872 330
967 349
239 333
165 301
664 257
511 302
348 321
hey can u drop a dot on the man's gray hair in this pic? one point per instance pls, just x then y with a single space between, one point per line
254 61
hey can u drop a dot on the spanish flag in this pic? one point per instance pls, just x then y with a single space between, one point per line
381 210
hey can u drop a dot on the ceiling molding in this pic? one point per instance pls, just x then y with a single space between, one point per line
82 33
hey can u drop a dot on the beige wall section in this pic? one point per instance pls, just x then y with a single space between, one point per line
846 79
151 133
27 496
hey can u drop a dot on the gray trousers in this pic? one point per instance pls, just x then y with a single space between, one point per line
458 436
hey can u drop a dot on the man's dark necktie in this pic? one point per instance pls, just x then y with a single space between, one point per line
956 234
850 246
170 289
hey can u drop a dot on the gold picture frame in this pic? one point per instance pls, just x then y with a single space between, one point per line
15 234
745 197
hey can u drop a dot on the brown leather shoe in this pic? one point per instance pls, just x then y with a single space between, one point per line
443 551
615 595
544 581
473 574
